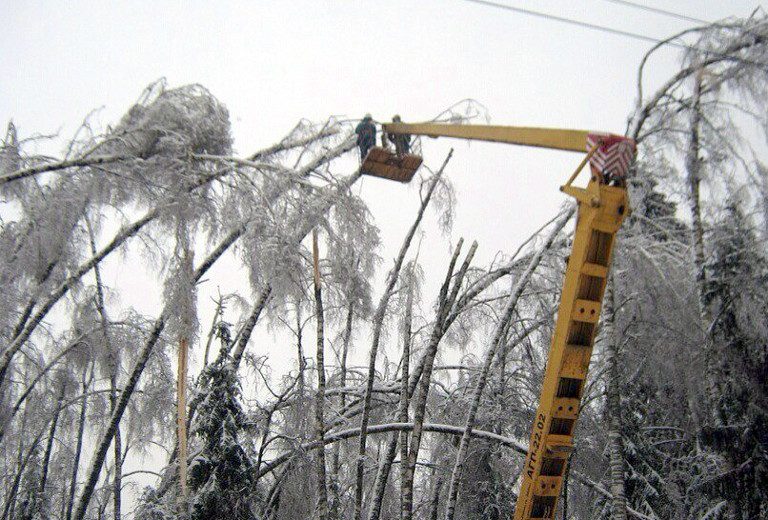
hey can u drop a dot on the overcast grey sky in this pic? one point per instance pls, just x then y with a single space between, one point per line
273 63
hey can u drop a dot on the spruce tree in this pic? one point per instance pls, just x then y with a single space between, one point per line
220 476
737 291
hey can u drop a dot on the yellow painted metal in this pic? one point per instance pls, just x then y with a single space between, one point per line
580 304
602 210
555 138
581 165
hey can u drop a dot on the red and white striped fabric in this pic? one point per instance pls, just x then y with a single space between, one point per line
613 157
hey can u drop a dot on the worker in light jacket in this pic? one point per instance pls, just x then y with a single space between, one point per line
402 142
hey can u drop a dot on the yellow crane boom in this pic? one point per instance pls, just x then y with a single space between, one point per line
559 139
601 211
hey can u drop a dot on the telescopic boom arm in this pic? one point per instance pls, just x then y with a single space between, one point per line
603 205
555 138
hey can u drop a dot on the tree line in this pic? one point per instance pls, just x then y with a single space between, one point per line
673 421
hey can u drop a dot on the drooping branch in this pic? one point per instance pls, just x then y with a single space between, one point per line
446 302
385 428
64 287
729 53
496 344
378 321
250 323
289 143
130 231
61 165
445 429
326 201
122 403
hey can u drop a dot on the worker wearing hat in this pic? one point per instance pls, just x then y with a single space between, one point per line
402 141
366 135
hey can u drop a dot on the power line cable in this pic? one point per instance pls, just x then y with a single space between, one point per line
610 30
657 10
570 21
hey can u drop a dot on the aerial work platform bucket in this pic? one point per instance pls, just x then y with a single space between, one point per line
382 163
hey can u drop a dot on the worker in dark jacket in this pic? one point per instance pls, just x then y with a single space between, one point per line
402 141
366 135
